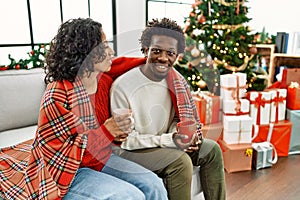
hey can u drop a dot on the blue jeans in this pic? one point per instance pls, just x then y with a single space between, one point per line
120 179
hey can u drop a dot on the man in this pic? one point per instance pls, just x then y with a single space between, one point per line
159 98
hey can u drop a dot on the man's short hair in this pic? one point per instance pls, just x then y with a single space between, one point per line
165 27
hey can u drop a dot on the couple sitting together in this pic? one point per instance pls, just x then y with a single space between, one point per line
81 152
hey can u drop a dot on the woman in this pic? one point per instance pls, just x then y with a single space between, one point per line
71 155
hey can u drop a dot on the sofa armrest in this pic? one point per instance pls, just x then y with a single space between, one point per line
16 136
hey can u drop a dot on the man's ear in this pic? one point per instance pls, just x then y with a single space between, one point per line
146 50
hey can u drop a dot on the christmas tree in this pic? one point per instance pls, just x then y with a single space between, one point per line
219 42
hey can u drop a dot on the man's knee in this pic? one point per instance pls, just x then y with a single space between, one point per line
211 154
210 147
184 165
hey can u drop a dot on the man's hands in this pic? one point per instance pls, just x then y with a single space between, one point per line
190 146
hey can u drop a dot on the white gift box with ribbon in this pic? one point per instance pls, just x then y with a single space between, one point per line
233 86
260 107
278 104
263 155
237 129
236 107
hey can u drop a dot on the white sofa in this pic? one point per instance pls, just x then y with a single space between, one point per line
21 92
20 97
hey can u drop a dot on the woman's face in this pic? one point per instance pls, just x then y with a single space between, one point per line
105 65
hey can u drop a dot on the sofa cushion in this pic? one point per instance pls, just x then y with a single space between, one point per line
21 92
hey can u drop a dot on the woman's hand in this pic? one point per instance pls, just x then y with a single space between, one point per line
119 127
121 138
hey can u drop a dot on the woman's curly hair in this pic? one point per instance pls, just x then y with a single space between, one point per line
166 27
74 50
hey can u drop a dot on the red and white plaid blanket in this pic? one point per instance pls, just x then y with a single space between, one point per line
44 168
182 99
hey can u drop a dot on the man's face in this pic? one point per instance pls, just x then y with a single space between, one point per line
161 56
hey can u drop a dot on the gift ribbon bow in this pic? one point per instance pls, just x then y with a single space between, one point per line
248 152
294 85
258 103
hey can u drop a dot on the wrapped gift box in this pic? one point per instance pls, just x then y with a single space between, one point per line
260 103
237 129
208 108
278 134
263 155
294 117
236 107
293 96
237 157
212 131
289 75
233 86
278 104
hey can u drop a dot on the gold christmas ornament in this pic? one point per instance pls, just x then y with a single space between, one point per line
201 84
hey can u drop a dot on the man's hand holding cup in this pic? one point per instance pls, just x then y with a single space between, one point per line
186 134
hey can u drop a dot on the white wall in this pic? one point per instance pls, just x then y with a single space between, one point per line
130 23
274 15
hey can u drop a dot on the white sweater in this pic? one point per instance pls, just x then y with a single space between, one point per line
152 108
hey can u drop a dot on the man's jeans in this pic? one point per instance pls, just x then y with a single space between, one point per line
120 179
212 177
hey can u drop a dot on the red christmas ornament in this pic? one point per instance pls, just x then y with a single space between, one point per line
253 50
17 67
201 19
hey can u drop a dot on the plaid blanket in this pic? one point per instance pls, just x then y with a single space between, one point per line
45 167
182 99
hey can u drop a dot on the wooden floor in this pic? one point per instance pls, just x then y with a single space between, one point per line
280 182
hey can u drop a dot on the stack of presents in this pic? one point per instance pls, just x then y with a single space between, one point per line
253 128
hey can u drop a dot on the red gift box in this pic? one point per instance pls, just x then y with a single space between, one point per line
289 75
237 157
278 134
208 108
293 98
